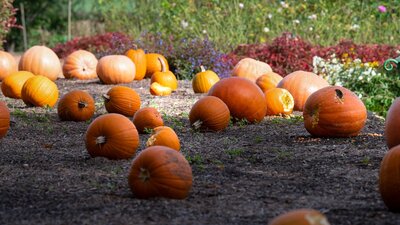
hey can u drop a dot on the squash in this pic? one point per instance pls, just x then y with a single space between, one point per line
268 80
159 90
300 217
12 84
4 119
279 102
164 136
165 78
250 69
392 124
8 65
39 91
147 118
122 100
76 105
115 69
389 179
204 80
80 65
153 64
139 58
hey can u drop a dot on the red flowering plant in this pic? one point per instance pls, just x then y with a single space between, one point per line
7 19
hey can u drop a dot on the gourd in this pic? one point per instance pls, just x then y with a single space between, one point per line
164 136
389 179
300 217
39 91
138 57
12 84
204 80
392 124
8 65
268 80
122 100
164 77
279 101
76 105
115 69
80 65
4 119
159 90
147 118
153 64
250 69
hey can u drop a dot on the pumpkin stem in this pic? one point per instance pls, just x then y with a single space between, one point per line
202 68
196 125
144 174
101 140
106 97
82 104
339 95
163 67
316 219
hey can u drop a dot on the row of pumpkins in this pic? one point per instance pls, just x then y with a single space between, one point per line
252 92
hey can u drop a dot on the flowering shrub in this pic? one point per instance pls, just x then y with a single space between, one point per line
7 19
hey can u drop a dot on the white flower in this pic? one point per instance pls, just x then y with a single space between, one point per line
312 17
266 29
184 24
296 21
204 32
355 26
269 16
241 5
284 4
310 28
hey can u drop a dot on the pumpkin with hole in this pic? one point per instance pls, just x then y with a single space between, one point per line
39 91
209 113
76 105
164 136
115 69
122 100
279 102
159 90
243 97
164 77
250 69
112 136
12 84
80 65
268 80
147 118
389 179
159 171
8 65
334 111
41 60
139 58
4 119
300 217
204 80
301 85
392 124
153 64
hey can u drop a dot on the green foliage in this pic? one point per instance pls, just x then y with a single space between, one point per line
7 19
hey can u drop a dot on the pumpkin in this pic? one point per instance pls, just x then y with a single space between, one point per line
301 85
392 124
250 68
41 60
243 97
12 84
80 65
122 100
159 171
268 80
389 179
138 57
334 111
153 63
165 78
159 90
204 80
112 136
164 136
76 105
39 91
4 119
8 64
115 69
279 101
147 118
209 113
300 217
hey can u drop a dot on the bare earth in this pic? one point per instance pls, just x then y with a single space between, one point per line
247 174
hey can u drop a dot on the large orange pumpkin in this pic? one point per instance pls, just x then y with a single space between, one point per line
164 136
389 179
41 60
300 217
115 69
204 80
250 68
243 97
8 64
139 58
122 100
147 118
164 77
153 64
268 80
279 101
39 91
159 171
112 136
301 85
80 65
334 111
4 119
76 105
12 84
392 124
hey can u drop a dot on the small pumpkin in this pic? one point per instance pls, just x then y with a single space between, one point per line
12 84
159 171
268 80
279 101
76 105
164 77
209 113
80 65
159 90
147 118
4 119
164 136
8 65
392 124
204 80
300 217
138 56
41 60
122 100
115 69
334 111
39 91
112 136
250 69
153 63
389 179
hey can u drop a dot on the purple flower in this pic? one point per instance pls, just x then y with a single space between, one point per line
382 8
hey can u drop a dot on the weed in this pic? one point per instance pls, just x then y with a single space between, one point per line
234 152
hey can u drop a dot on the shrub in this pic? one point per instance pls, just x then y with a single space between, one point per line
7 19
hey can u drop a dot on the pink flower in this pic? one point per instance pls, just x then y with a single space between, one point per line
382 8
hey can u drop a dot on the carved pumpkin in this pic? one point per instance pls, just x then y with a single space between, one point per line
80 65
139 58
209 113
147 118
112 136
334 112
41 60
243 97
268 80
392 124
159 90
153 63
204 80
389 179
122 100
300 217
12 84
159 171
301 85
8 65
39 91
4 119
165 78
250 68
164 136
279 101
115 69
76 105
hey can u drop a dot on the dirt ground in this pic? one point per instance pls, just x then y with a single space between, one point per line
247 174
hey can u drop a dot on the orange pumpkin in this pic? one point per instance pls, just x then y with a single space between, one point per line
279 101
392 124
39 91
4 119
153 64
389 179
243 97
164 136
268 80
8 64
80 65
204 80
41 60
209 113
139 58
115 69
301 85
159 90
76 105
112 136
159 171
147 118
300 217
12 84
165 78
250 68
122 100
